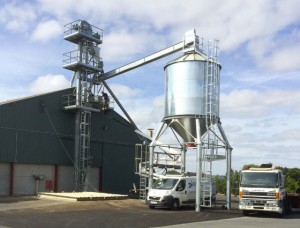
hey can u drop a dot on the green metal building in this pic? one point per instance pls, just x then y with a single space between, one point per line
37 147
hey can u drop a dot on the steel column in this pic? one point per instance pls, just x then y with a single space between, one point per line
55 178
151 154
228 177
11 178
198 166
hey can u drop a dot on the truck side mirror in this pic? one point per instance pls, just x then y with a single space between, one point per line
236 179
283 180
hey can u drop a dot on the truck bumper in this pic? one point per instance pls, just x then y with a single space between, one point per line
267 206
267 209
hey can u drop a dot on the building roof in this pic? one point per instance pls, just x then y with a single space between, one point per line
32 96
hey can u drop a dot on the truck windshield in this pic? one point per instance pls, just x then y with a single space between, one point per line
259 179
165 183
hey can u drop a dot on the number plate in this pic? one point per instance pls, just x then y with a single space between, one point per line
153 202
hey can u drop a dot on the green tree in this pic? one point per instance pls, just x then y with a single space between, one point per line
220 184
234 178
246 167
293 180
234 181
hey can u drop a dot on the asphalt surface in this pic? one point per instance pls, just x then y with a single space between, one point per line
33 212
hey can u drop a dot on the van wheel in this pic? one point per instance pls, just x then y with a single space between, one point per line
246 213
175 204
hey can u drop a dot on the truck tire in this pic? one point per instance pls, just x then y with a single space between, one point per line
288 208
175 204
245 213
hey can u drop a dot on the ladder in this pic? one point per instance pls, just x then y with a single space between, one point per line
206 179
84 152
142 168
211 116
212 83
143 187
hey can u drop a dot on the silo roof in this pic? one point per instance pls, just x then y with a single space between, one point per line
190 56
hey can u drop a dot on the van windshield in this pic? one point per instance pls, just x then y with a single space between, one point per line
165 183
259 179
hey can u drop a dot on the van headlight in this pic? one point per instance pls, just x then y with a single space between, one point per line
167 193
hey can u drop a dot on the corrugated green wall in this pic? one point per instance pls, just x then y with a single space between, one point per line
26 132
37 130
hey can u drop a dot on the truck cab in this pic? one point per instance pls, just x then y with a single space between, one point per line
262 189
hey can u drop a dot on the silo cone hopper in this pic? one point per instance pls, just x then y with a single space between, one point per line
191 94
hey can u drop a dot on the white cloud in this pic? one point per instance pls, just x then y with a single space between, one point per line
125 44
8 92
284 59
17 17
46 31
279 54
48 83
124 91
145 111
252 103
127 30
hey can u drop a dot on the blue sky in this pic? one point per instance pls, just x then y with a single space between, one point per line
259 44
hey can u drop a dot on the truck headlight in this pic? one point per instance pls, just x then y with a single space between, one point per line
272 203
242 202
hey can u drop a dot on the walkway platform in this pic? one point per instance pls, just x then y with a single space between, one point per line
81 196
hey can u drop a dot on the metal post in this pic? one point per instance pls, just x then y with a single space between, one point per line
198 166
37 186
183 159
78 83
56 178
228 166
120 105
11 178
151 155
78 89
228 182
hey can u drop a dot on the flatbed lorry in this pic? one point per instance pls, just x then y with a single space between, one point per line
263 190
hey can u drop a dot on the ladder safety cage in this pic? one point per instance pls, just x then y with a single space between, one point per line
84 160
210 142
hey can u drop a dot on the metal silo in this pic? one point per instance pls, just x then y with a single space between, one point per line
192 91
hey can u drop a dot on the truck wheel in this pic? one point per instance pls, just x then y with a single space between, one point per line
288 209
151 206
282 214
245 213
175 204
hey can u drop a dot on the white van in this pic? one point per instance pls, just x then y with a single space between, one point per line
175 191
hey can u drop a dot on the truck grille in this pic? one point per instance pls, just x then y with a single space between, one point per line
268 195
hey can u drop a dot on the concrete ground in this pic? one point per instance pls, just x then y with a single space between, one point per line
34 212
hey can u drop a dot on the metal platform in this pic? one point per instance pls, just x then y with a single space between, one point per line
76 30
